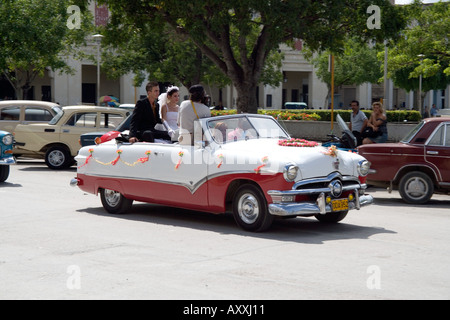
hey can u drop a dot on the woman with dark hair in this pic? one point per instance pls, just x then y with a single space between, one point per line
168 110
190 110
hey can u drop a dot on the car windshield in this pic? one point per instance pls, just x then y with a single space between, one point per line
342 123
232 129
413 132
58 115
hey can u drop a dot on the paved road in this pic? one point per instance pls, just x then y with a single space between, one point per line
58 243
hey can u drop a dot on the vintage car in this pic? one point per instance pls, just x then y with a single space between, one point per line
6 154
417 166
246 164
14 112
58 140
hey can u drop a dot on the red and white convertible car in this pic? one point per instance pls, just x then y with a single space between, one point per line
246 164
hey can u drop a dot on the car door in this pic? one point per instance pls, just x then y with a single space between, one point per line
437 151
173 174
77 124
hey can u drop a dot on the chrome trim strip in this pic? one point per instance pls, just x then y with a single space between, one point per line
191 187
313 190
329 178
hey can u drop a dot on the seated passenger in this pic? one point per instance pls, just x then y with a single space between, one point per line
378 124
146 116
190 110
241 132
168 103
220 132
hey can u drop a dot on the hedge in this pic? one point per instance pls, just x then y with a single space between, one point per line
325 115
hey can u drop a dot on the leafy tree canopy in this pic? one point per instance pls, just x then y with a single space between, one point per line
355 65
238 36
423 49
34 36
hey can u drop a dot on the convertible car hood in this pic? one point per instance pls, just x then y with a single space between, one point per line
312 161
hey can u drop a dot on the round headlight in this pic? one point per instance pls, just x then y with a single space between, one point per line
8 139
290 172
363 168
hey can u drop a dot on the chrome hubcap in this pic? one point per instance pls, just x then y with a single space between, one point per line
112 197
416 187
56 158
248 208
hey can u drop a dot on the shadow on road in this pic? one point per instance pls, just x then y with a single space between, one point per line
301 230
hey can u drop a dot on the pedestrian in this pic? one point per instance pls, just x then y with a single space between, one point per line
433 111
426 113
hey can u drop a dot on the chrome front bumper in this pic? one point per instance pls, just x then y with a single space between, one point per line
319 207
7 161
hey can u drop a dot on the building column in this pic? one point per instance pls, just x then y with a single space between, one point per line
446 104
67 88
317 92
364 95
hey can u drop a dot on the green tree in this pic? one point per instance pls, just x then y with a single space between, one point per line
35 36
238 36
355 65
166 56
423 49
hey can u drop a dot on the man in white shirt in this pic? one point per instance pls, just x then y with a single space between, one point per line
358 121
189 111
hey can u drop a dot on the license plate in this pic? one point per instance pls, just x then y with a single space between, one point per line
339 205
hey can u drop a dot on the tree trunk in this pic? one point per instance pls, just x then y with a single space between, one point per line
246 99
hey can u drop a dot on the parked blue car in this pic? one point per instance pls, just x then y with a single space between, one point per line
6 154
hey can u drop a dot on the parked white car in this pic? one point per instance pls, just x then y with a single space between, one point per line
58 141
246 164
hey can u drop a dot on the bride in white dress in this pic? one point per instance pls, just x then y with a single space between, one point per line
168 108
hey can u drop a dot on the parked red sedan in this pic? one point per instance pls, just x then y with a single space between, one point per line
417 166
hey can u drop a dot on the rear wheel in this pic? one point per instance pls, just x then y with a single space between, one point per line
58 158
416 187
114 202
250 209
4 173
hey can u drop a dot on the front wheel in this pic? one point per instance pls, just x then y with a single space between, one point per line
331 217
250 209
4 173
416 187
114 202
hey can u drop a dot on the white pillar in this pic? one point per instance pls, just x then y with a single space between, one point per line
446 104
67 88
317 92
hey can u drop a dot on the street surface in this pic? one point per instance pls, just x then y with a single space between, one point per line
57 242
